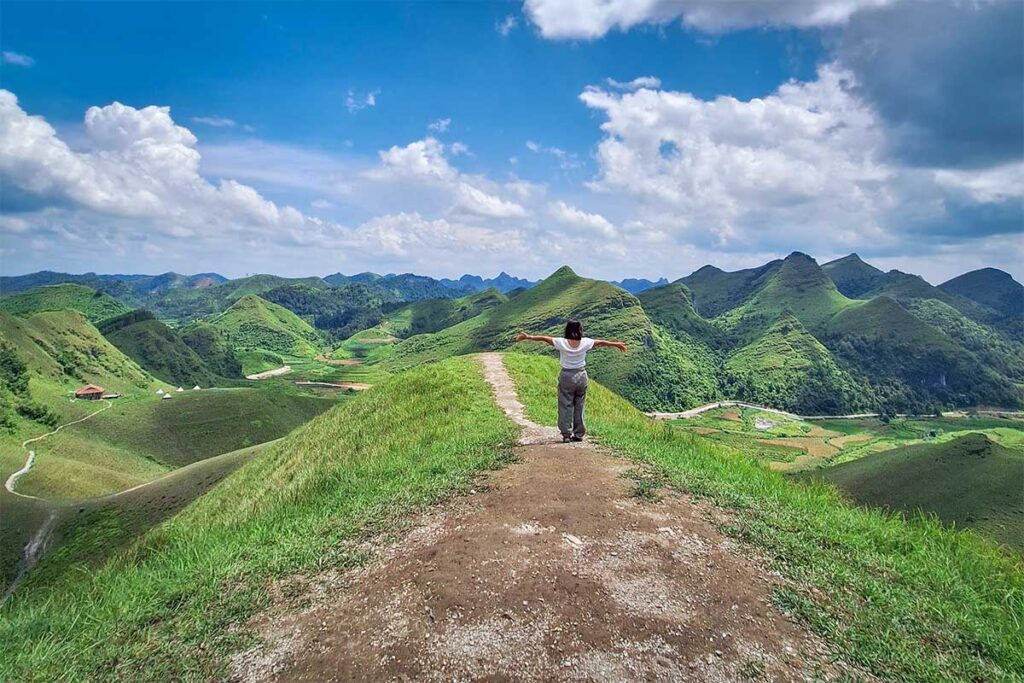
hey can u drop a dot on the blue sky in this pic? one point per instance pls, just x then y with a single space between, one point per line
306 138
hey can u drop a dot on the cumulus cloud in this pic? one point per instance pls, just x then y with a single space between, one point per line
215 121
472 200
583 19
17 59
423 158
356 102
806 165
635 84
573 217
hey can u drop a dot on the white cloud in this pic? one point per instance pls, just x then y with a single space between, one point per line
321 204
356 102
589 20
440 125
636 83
573 217
216 121
17 59
998 184
472 200
424 158
506 25
458 148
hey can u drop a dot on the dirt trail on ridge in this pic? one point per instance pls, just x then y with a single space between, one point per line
550 570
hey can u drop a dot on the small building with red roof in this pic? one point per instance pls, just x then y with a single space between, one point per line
90 392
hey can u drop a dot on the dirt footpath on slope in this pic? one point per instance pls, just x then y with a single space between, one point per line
551 571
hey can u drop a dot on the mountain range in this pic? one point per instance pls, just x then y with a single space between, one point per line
841 337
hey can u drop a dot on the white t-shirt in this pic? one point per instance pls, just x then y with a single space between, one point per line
573 358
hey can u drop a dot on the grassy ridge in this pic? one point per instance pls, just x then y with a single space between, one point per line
908 600
167 607
95 306
659 370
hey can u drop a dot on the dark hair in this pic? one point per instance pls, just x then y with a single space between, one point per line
573 330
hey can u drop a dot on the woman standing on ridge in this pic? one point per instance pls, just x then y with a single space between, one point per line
572 381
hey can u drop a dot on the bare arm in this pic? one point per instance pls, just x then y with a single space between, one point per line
522 336
598 343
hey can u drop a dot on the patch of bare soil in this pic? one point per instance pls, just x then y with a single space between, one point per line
553 571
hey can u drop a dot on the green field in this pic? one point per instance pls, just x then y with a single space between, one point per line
906 599
172 606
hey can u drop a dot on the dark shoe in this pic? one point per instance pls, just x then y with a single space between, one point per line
566 439
577 438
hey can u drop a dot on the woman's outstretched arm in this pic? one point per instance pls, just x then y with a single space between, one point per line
522 336
598 343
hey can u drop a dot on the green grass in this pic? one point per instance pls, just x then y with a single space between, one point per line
969 482
140 438
252 324
907 600
95 306
173 606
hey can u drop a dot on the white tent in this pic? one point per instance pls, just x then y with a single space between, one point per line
166 396
159 392
179 389
195 388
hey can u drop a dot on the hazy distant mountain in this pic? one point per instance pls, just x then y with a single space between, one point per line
504 283
405 287
637 285
117 285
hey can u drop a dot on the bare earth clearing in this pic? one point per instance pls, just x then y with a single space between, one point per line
549 570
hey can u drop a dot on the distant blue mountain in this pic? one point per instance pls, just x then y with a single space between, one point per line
637 285
504 283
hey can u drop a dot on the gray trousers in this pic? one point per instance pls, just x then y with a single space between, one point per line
572 395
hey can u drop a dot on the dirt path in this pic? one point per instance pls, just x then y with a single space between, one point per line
15 476
550 571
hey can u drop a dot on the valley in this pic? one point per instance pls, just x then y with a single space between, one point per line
333 408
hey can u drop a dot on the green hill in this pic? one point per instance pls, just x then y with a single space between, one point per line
158 349
258 329
970 482
990 287
853 277
659 371
671 306
788 368
189 304
715 291
799 287
433 315
94 305
211 344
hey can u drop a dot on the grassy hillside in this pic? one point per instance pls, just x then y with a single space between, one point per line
174 604
188 304
911 364
213 347
716 291
158 349
252 324
139 439
658 371
907 600
94 305
433 315
970 482
798 287
788 368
